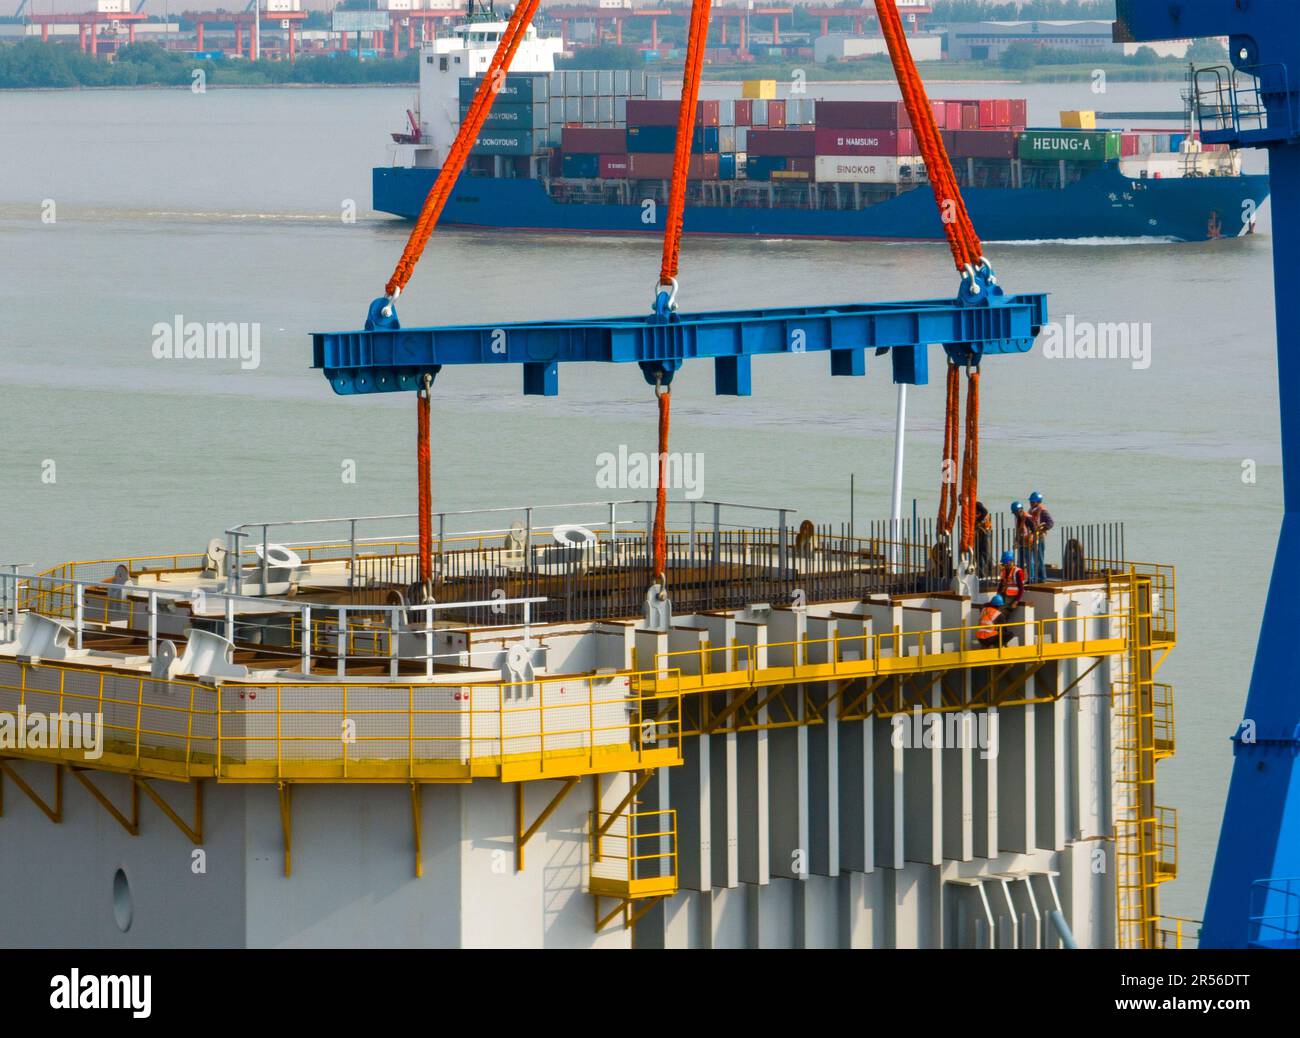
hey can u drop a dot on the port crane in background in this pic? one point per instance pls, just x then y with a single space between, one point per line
88 22
1254 897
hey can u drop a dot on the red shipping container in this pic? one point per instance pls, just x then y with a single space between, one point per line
988 115
854 115
648 165
970 116
952 120
583 140
940 109
781 142
1002 114
866 142
775 114
801 165
1129 145
664 113
744 112
980 144
1019 114
614 166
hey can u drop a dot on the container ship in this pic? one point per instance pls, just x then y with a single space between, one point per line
591 151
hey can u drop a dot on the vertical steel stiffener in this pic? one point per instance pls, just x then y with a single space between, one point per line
1258 107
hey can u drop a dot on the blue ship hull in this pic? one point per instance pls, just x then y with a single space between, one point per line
1104 204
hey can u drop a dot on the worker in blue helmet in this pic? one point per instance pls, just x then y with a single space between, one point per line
1024 535
988 633
1011 582
1041 523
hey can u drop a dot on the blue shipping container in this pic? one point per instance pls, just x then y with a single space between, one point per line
761 167
663 139
726 166
581 166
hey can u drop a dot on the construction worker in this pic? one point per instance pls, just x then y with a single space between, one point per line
987 635
983 539
1041 521
1024 537
1011 582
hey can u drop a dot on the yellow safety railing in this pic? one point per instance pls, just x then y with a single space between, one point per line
310 731
1166 833
1174 932
1163 720
633 854
858 654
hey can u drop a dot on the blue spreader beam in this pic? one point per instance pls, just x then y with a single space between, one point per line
386 358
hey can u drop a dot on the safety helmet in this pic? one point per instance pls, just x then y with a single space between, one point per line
1017 507
997 600
1008 558
1035 498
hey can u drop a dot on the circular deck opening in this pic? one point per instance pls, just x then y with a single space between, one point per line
123 910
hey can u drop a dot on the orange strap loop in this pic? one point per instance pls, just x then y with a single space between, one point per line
970 462
691 73
661 496
948 483
470 126
957 226
426 490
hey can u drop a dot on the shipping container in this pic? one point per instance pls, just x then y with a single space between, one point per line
758 113
518 88
664 139
781 142
615 167
1002 114
801 164
1079 120
573 109
585 140
988 115
657 166
940 110
856 115
764 88
1074 145
761 167
507 142
1019 113
800 111
970 116
664 113
572 82
952 119
775 114
880 169
1128 145
726 139
744 113
727 166
519 117
864 142
581 166
980 144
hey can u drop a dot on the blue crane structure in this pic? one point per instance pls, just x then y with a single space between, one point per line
1254 897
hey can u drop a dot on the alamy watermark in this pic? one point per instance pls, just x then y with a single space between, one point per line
32 730
215 340
951 730
638 470
1087 340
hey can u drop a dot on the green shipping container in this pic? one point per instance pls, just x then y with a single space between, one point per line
1071 145
518 88
512 117
507 142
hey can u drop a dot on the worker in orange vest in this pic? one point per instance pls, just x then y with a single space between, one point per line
1011 582
987 635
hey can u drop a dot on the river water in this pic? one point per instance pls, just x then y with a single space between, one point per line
229 206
